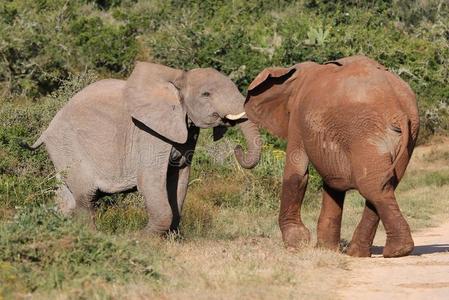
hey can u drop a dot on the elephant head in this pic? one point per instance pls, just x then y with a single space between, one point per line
166 100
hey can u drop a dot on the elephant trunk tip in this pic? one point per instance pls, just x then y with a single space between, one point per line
246 160
249 159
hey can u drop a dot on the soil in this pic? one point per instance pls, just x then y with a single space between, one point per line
422 275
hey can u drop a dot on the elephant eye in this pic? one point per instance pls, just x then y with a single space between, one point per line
205 94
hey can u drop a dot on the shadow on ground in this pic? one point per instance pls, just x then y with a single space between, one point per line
419 250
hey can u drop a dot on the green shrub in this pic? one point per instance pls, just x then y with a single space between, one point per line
121 213
40 249
43 42
104 47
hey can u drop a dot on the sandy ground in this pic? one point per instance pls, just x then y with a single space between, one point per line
422 275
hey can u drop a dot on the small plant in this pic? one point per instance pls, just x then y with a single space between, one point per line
436 119
317 36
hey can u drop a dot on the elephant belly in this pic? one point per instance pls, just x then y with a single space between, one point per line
116 185
327 143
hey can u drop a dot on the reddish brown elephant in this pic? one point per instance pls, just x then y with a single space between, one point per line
357 123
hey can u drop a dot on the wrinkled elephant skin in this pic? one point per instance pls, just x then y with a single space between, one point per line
357 123
117 135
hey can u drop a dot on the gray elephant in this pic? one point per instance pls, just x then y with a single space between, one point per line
116 135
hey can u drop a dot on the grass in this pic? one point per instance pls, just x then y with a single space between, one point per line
41 250
230 246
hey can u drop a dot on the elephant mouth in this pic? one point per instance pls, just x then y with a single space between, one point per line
232 120
215 119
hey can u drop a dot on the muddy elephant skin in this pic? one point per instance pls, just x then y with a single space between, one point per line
357 123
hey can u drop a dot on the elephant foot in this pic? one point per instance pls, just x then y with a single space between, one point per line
295 236
162 229
398 247
65 201
156 230
327 245
356 250
331 243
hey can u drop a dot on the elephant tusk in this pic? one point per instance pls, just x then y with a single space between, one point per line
235 117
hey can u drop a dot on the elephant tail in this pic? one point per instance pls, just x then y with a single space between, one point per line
404 129
36 145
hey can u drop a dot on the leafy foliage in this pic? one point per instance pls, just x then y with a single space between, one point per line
45 41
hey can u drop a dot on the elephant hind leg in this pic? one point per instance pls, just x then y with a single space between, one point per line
399 240
65 200
77 196
85 209
72 196
363 236
80 205
329 222
369 169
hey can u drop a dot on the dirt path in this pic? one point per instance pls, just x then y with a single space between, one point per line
423 275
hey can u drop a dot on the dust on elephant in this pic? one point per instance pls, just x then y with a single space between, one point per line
357 123
116 135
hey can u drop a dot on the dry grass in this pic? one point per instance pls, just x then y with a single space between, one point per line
255 268
233 250
236 253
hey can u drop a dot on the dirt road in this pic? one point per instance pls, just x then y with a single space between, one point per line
423 275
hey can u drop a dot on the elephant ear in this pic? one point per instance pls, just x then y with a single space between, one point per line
153 99
267 100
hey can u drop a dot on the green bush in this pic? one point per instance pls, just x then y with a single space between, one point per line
40 249
45 41
121 213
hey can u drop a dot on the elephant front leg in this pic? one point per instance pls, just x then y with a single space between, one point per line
329 222
363 236
152 184
294 184
177 183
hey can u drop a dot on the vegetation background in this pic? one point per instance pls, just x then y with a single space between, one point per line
50 49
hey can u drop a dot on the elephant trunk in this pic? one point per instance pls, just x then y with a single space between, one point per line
249 159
